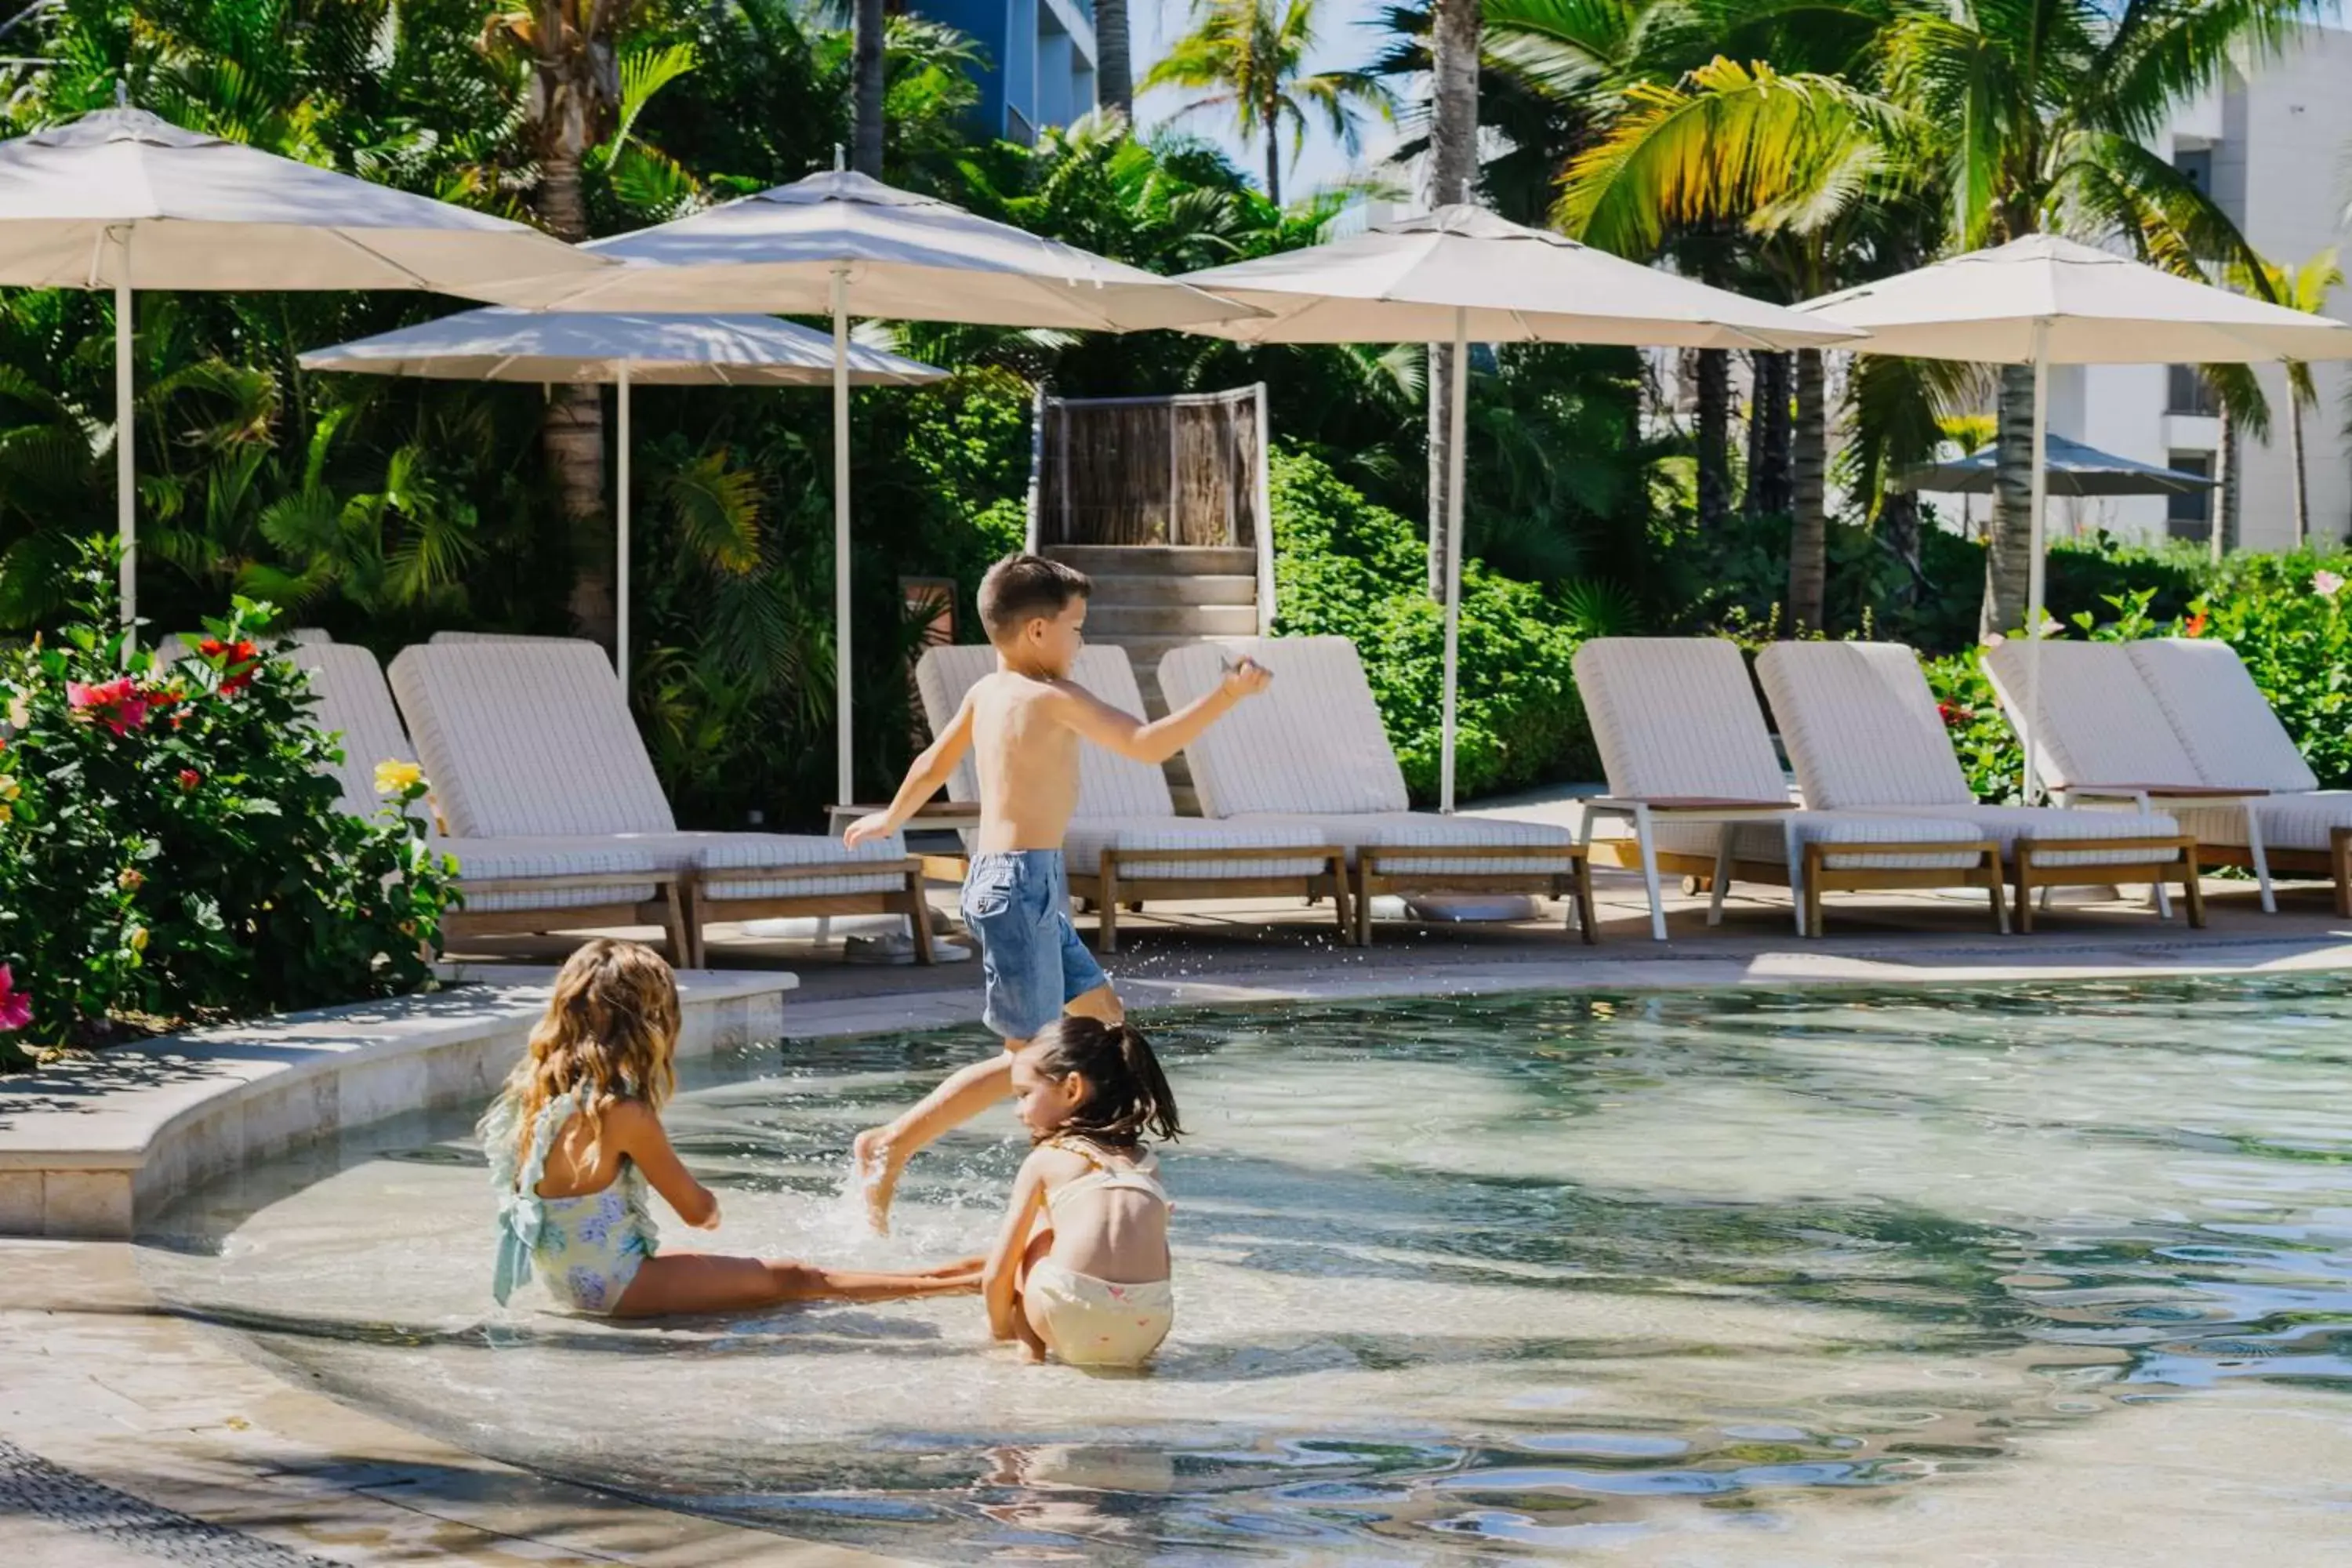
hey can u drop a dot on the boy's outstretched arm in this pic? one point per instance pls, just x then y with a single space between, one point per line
1161 739
925 775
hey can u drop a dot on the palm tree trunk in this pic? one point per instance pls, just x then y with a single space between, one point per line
1114 67
2009 536
865 89
1273 168
1899 516
2301 481
2222 533
572 431
1452 165
1714 378
1808 521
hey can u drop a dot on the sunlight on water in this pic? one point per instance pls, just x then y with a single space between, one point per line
1695 1279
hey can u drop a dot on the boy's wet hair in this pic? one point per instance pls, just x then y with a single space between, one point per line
1127 1094
1020 588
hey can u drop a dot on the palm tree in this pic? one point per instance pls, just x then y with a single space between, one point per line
1114 63
2040 109
1450 170
2303 288
1249 54
868 78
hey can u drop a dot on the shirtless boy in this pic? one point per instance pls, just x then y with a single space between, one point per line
1022 726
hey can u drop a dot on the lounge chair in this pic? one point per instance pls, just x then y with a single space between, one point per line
1125 844
533 739
1691 765
509 885
1863 734
1311 751
2179 721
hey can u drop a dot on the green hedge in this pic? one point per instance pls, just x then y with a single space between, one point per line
1345 566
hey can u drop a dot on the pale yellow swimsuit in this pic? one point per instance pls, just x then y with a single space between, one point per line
1094 1322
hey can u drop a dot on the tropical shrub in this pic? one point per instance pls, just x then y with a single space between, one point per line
1347 567
2285 615
173 850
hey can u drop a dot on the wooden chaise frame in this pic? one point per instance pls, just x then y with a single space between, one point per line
1390 868
1110 887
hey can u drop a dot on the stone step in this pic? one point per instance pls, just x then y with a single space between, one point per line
1190 560
1171 588
1119 623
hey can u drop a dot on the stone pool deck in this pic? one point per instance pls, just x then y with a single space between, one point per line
130 1434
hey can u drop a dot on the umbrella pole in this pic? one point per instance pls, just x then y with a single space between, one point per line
2035 580
621 540
126 476
1457 397
845 783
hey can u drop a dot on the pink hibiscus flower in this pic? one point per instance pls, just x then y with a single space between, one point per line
16 1007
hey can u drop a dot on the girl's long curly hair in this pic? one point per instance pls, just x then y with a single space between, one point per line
610 1031
1127 1093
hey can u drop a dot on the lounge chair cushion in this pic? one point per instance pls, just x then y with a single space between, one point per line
2005 824
2097 723
1678 717
1764 839
1312 743
1088 837
354 703
2306 822
528 739
1427 829
2219 715
1109 784
737 866
505 860
1860 726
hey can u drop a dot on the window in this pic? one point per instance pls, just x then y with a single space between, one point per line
2196 165
2187 392
2190 516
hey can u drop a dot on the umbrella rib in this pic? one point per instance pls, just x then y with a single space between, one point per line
415 280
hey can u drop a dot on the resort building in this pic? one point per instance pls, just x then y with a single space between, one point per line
1038 65
2274 144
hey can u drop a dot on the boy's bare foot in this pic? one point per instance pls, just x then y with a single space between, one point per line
878 1163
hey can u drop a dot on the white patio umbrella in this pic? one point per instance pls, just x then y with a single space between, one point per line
1463 274
587 347
2044 301
120 199
846 245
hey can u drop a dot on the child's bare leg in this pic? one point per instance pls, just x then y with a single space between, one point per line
1101 1004
706 1282
882 1153
1026 1330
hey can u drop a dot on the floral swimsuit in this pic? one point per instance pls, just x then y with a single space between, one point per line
585 1250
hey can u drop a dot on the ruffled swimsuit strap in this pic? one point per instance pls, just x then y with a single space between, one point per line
521 1211
1142 1176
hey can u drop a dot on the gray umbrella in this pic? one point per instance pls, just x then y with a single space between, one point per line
2072 470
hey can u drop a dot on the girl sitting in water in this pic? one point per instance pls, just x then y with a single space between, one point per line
577 1136
1081 1267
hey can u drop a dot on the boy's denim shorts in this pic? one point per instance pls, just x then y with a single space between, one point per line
1017 902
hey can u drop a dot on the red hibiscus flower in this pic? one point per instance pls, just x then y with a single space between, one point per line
116 703
2196 626
189 780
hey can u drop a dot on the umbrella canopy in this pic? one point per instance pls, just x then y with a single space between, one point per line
1464 275
848 245
120 199
1416 279
2073 469
499 344
897 254
2089 306
2044 301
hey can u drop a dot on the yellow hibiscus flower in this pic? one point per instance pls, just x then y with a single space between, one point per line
393 778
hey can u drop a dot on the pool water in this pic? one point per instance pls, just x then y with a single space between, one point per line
1985 1275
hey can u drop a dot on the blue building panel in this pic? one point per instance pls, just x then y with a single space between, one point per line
1038 65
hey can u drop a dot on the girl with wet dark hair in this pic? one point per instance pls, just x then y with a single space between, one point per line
1081 1269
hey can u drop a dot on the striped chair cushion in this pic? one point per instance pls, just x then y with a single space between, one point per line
465 638
2005 824
1765 839
355 704
1860 725
1428 830
1088 837
510 860
1678 717
528 739
1109 784
2098 724
2223 719
2305 821
752 865
1311 743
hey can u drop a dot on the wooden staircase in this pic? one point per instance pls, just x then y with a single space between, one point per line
1149 598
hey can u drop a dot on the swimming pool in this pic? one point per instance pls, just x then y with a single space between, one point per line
1996 1274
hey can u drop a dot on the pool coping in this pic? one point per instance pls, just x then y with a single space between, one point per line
93 1143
